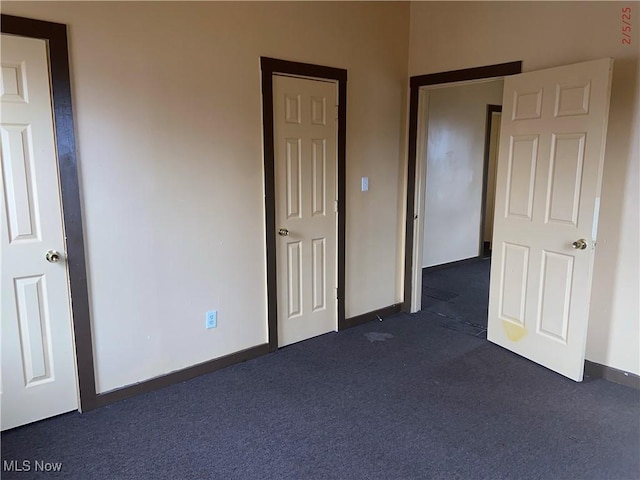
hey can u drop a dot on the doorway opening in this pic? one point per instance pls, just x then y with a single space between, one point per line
450 232
458 291
540 276
459 150
491 143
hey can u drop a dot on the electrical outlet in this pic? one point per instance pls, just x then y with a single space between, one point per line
211 319
365 184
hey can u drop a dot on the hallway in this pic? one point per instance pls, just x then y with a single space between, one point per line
459 296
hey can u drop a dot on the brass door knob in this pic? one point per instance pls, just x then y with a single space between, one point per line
580 244
52 256
283 232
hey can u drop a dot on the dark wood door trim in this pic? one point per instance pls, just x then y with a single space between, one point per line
56 36
491 109
489 71
270 67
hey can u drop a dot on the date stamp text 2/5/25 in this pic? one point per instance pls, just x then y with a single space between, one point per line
626 25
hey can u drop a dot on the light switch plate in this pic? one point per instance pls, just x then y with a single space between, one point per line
365 184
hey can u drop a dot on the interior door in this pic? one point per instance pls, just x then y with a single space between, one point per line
552 142
305 144
38 357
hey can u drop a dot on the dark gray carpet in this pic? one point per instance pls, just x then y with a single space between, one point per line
398 399
459 296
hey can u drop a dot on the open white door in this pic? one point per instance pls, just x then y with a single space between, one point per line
552 141
38 354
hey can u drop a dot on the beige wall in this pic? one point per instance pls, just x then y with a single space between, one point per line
455 170
448 36
168 108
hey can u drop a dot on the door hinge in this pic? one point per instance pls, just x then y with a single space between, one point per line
335 206
337 110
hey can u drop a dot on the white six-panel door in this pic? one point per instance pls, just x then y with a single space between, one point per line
305 141
38 358
551 154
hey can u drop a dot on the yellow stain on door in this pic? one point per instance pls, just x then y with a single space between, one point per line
514 332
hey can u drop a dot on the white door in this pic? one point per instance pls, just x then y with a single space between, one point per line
305 144
38 358
552 141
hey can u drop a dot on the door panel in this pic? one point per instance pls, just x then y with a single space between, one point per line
294 279
555 292
305 141
548 186
319 274
33 322
319 177
18 171
38 356
514 282
521 178
565 177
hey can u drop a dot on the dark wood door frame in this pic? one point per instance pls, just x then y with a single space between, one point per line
55 34
491 109
270 67
490 71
